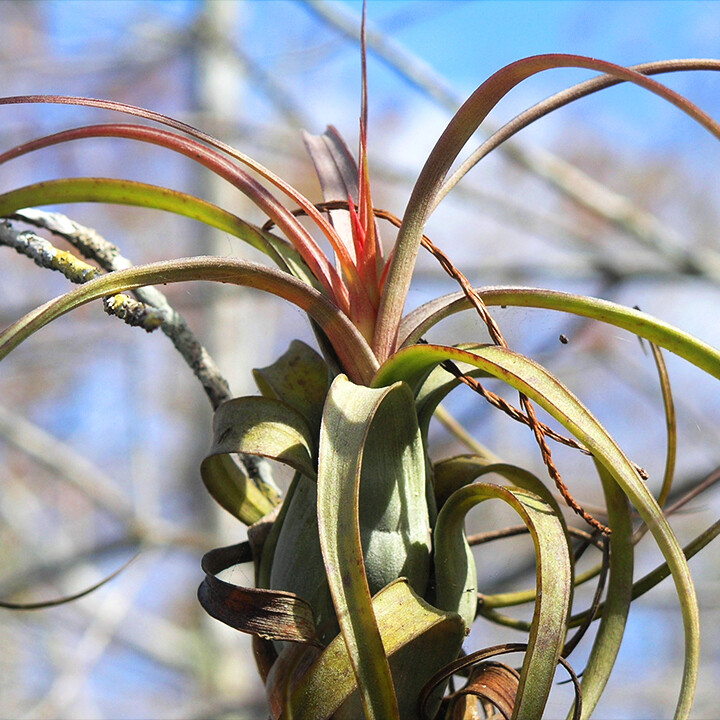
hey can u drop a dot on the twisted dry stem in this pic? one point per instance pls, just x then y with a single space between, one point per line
529 418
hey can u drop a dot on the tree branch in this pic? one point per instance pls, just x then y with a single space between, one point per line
152 310
93 246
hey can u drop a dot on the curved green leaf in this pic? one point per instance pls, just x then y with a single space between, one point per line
357 358
704 356
373 518
460 129
266 427
300 378
461 470
456 472
457 582
254 426
619 596
232 488
295 562
418 640
541 387
435 388
670 425
267 551
438 384
127 192
453 473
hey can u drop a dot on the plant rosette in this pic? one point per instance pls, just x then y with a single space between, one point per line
366 584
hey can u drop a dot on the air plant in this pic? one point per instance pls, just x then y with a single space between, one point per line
366 584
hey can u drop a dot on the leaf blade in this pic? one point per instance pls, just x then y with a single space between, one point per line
619 596
403 618
699 353
137 194
457 582
541 387
357 358
462 126
266 613
350 412
262 426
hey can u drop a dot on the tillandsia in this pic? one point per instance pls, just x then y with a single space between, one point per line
365 580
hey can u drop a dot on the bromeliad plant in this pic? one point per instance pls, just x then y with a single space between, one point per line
366 584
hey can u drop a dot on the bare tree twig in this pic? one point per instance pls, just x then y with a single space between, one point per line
75 469
90 647
93 246
155 310
154 636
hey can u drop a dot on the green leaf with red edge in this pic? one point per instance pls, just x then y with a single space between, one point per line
357 358
686 346
198 152
412 364
460 129
317 261
457 582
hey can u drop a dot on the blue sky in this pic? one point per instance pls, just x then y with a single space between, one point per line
464 41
